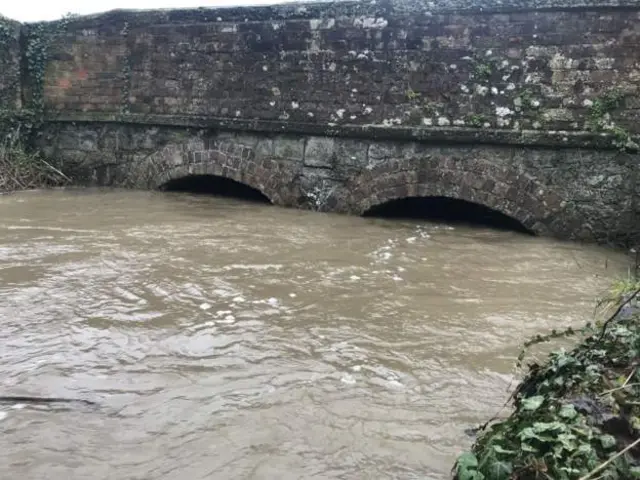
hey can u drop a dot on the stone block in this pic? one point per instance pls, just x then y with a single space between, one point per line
320 152
353 153
289 148
265 148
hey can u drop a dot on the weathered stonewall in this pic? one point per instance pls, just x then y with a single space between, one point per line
569 193
346 105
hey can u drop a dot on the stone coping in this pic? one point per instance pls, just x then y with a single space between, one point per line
349 8
458 135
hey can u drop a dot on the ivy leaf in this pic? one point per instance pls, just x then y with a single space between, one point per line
466 461
607 441
540 427
467 467
499 449
564 359
585 448
530 433
568 411
565 441
532 403
558 381
470 475
527 434
500 470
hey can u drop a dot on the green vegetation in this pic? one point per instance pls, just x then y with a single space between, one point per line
9 67
38 40
21 167
483 67
422 107
600 119
526 97
482 71
619 290
577 416
126 75
476 120
607 103
412 94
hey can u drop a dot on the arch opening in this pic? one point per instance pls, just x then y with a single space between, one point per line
215 185
447 210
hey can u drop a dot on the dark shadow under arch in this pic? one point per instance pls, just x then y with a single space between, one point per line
448 210
216 186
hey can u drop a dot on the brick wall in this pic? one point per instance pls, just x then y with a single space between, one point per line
539 67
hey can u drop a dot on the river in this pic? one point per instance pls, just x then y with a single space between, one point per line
223 339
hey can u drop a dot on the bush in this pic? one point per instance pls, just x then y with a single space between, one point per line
575 417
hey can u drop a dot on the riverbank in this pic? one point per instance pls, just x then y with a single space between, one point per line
577 416
21 169
22 165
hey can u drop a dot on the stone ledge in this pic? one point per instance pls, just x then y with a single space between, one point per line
305 11
456 135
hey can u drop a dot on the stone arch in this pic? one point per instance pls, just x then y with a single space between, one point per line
212 169
232 161
499 187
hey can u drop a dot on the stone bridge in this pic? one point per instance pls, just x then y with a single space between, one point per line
529 108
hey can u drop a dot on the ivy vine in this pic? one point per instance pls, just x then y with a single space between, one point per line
7 29
38 40
576 415
126 75
9 65
24 55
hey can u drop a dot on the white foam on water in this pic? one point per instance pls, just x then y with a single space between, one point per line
348 379
394 384
223 293
236 266
228 319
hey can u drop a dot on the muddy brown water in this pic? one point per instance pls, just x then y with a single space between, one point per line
230 340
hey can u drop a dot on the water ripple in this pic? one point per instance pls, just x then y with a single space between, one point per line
229 340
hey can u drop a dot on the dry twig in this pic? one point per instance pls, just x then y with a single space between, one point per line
604 464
